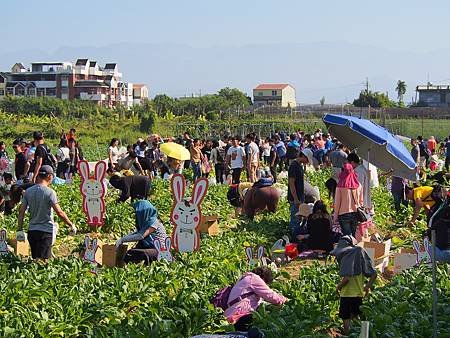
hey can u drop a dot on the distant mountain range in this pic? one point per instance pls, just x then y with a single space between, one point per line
336 70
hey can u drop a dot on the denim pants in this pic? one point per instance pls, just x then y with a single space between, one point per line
294 220
196 170
442 255
348 223
399 198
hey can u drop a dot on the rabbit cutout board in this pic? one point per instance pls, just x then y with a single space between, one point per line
3 244
93 192
259 260
186 214
164 252
90 249
423 254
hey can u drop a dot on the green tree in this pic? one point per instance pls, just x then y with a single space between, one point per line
373 99
163 104
401 90
322 101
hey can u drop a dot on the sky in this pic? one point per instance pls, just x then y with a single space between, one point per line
400 25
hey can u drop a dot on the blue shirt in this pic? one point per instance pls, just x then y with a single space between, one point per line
447 149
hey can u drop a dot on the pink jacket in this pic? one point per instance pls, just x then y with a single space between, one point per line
344 200
250 282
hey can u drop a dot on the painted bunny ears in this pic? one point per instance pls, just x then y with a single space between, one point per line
88 244
179 188
249 253
99 172
157 244
426 246
3 235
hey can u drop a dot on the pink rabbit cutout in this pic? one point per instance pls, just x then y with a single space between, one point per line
186 215
93 191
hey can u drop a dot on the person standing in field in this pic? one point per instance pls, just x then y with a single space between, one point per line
354 266
41 201
253 158
113 153
296 185
236 160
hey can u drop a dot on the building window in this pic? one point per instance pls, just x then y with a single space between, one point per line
260 93
40 92
51 92
31 91
274 93
2 92
20 91
9 91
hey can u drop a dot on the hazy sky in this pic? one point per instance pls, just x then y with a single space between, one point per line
400 24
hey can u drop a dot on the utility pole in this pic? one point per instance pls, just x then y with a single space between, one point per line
367 84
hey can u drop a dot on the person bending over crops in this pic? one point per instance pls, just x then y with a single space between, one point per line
348 198
130 186
422 197
320 228
247 294
354 265
148 229
40 200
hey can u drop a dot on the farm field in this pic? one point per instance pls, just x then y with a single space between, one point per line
63 298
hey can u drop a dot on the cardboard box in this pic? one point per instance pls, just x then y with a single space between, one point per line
113 257
378 252
21 248
209 225
404 261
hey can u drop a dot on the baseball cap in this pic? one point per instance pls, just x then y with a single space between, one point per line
309 155
46 170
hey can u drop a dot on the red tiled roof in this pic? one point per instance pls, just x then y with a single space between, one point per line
269 86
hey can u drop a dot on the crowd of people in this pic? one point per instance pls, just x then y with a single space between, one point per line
250 166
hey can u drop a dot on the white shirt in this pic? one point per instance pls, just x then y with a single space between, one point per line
114 154
63 154
236 154
253 152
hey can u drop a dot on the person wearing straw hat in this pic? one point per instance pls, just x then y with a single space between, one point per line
300 232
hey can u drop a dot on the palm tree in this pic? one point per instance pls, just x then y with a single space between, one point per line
401 90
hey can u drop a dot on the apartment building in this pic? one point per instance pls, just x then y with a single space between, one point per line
84 80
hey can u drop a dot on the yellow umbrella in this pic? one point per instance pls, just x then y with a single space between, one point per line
176 151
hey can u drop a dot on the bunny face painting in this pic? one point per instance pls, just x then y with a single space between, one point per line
90 248
186 215
423 254
164 254
93 192
3 245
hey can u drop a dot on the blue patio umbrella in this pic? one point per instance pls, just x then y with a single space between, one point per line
373 143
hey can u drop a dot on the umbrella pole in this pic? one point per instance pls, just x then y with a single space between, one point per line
433 262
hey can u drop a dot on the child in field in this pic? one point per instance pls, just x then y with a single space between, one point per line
354 265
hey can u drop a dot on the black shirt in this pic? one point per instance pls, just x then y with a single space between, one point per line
296 171
131 186
19 165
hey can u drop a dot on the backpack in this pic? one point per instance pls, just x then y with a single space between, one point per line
233 196
281 150
220 155
220 299
49 158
